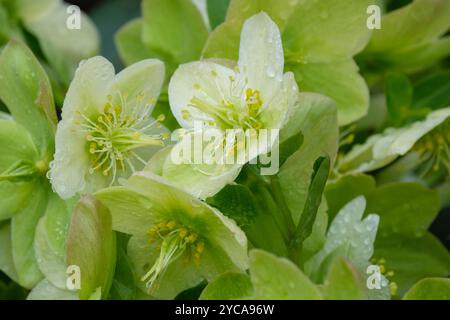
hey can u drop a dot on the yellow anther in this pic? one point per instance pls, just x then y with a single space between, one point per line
137 135
89 137
192 237
161 118
390 273
185 114
182 233
171 224
393 288
118 109
382 261
197 86
165 135
161 225
382 268
200 247
105 172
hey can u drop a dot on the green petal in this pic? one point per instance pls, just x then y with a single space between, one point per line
23 226
6 258
26 91
44 290
228 286
178 277
343 282
279 279
67 47
51 265
140 83
131 211
351 95
175 28
30 10
319 31
429 289
315 116
91 245
382 149
200 180
89 88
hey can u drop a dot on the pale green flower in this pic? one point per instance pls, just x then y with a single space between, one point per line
177 240
55 27
255 95
106 130
428 139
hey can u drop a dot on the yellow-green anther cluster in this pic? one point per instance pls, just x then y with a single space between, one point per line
114 135
175 240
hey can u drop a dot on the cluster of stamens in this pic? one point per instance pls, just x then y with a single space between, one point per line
113 136
435 149
393 287
173 240
240 109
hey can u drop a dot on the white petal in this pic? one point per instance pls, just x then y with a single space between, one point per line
71 162
261 58
88 90
139 84
205 80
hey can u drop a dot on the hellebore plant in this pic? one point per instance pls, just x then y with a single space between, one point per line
106 131
177 241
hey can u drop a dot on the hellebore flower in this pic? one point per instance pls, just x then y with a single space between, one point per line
254 97
177 240
106 130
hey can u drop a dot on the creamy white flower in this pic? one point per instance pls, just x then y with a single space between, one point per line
106 131
254 95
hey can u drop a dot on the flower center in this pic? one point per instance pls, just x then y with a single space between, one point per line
114 135
175 240
239 111
435 149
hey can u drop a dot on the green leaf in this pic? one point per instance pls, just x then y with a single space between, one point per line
289 147
317 120
399 94
313 200
340 192
276 278
23 227
343 282
123 286
129 43
251 209
14 197
405 208
26 91
419 22
174 28
433 92
217 10
412 258
351 95
91 245
429 289
228 286
325 31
